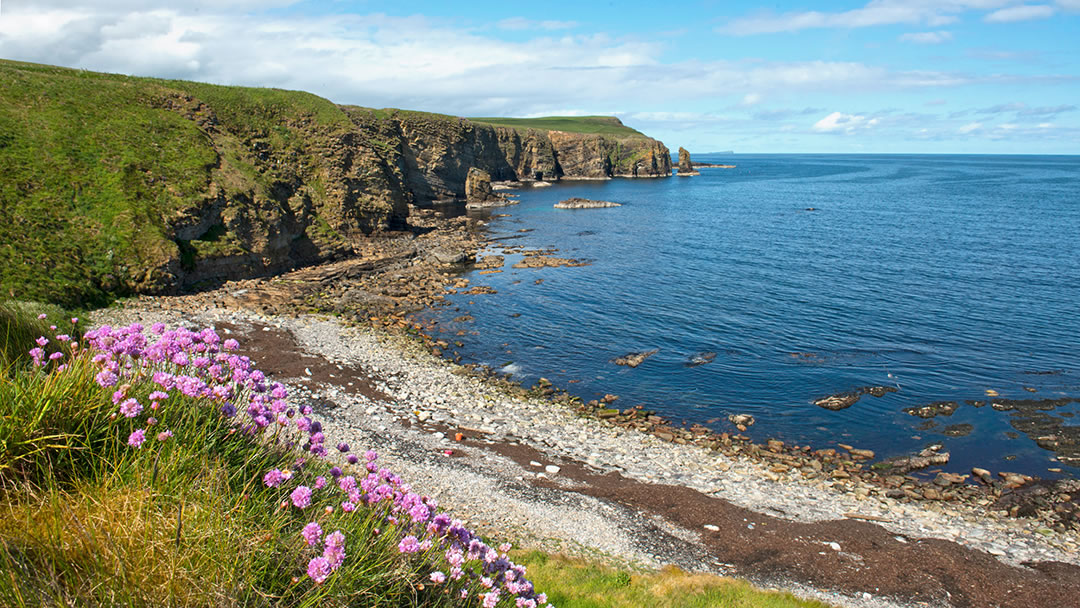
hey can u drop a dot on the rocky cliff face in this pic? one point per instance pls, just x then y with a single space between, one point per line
181 183
434 153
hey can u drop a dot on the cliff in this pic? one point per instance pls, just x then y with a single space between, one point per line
114 185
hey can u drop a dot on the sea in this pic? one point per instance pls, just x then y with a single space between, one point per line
951 279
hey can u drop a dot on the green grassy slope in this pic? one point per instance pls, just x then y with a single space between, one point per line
97 168
600 125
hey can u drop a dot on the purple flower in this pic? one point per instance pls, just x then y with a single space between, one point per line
130 408
319 569
231 344
159 396
301 497
370 456
63 338
334 552
343 447
136 438
42 316
106 378
409 544
352 459
335 472
273 479
37 355
312 533
438 577
348 506
55 356
320 482
158 328
491 598
42 341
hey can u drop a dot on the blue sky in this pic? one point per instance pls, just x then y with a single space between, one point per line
964 76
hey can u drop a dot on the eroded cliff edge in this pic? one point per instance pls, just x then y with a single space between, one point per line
114 184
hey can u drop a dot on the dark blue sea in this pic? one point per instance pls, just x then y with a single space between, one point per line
943 276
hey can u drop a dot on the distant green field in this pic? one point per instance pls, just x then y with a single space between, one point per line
601 125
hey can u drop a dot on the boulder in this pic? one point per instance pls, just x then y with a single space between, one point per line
686 167
634 359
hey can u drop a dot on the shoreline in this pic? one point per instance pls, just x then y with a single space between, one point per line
412 403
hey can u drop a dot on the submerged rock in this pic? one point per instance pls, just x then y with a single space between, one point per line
634 359
842 401
701 359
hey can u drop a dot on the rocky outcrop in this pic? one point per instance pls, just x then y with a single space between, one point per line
584 203
686 167
479 193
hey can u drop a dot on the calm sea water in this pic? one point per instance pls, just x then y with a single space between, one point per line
945 276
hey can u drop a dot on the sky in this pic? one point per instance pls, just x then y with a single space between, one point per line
886 76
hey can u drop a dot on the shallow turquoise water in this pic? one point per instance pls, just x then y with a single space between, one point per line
944 276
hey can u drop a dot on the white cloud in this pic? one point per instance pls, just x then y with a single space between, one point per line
927 37
931 13
750 99
969 128
1024 12
521 23
838 122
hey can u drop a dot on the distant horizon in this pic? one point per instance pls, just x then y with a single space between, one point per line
909 76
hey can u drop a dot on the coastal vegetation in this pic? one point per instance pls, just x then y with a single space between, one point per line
600 125
155 466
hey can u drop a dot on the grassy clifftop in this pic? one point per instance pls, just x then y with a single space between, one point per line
114 184
600 125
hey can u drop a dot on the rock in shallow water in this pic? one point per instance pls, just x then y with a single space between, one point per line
584 203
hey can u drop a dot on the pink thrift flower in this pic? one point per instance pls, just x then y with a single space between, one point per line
335 549
74 320
312 533
130 408
409 544
55 356
231 344
491 598
163 435
438 577
301 497
137 438
273 479
42 341
319 569
159 396
320 482
348 507
42 316
106 378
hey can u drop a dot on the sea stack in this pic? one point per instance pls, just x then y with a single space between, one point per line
479 193
686 168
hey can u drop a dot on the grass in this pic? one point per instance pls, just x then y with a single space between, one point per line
600 125
577 583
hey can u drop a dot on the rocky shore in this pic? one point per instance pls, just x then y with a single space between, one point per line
534 467
591 477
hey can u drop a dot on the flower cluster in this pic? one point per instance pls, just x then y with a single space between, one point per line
201 367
